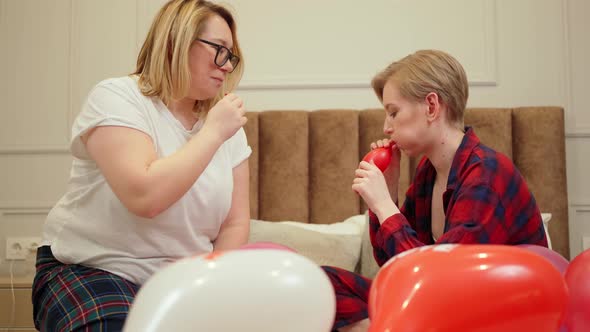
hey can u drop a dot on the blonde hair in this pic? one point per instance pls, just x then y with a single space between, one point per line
163 62
426 71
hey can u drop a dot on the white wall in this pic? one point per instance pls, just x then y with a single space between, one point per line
577 53
299 55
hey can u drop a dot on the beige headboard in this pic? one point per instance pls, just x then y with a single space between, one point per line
303 162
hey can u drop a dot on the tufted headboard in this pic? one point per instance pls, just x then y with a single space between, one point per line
303 162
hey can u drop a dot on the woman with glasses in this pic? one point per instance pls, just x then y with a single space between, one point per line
160 172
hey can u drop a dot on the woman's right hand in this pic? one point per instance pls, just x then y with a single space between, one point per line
226 117
391 173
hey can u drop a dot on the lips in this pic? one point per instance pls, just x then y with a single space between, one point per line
218 79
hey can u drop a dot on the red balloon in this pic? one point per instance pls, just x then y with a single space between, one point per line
476 288
577 277
266 245
381 157
555 258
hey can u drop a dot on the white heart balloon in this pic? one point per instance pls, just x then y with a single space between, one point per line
242 290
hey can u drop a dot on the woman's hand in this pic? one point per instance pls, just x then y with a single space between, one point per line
226 117
378 188
391 173
370 184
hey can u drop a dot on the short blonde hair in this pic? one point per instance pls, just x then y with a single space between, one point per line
426 71
163 62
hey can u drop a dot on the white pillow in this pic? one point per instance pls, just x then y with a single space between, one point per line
354 225
336 245
369 266
546 217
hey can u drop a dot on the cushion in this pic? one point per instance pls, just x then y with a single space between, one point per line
368 267
336 245
354 225
546 217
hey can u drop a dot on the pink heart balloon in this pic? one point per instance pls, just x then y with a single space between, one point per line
266 245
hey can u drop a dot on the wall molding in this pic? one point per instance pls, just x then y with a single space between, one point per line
16 208
567 63
2 10
580 204
14 149
576 130
490 17
141 16
34 149
74 56
63 148
486 77
18 212
576 210
145 10
579 132
284 84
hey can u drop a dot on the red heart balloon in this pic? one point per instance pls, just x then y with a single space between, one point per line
381 157
476 288
577 277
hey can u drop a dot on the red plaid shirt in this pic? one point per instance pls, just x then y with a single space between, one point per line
486 201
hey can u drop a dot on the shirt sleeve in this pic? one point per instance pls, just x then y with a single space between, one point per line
393 236
107 105
397 233
238 147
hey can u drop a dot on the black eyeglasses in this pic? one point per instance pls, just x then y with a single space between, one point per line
223 55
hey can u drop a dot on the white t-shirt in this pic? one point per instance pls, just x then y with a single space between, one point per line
90 226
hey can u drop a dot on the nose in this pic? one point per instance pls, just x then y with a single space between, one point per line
387 130
227 67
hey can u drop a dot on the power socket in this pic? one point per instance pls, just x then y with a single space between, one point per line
19 248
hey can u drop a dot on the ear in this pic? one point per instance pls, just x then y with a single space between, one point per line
433 106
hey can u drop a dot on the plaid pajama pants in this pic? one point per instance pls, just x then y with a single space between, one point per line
69 297
352 295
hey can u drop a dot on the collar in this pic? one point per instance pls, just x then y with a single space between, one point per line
469 142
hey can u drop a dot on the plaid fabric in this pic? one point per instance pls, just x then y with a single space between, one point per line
486 201
352 295
69 297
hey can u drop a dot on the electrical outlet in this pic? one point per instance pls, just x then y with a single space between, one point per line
19 248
